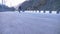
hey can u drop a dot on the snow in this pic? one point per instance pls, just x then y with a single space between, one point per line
29 23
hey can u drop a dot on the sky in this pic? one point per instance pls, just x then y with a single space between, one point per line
12 3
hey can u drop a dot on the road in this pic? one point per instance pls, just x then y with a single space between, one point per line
29 23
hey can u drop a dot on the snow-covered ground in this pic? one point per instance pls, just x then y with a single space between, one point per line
29 23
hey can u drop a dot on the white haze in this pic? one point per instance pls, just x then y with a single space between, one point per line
11 3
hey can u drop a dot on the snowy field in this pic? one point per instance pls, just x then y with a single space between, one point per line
29 23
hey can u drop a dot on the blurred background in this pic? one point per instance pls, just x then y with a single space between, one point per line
45 5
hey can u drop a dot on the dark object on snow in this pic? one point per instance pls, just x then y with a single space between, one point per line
19 9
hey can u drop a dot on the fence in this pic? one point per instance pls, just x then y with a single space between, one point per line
56 12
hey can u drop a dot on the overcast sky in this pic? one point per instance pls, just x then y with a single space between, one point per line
11 3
